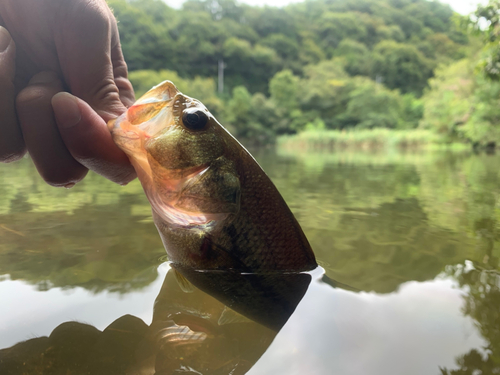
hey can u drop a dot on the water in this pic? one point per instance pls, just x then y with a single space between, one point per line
409 244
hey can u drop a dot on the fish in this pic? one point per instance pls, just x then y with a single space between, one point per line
213 205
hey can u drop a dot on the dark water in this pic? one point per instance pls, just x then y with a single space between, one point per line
411 243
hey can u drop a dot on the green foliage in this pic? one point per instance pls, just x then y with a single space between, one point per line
258 42
315 62
447 104
463 104
315 137
371 105
482 128
334 27
323 90
241 118
401 66
145 41
284 88
201 88
356 57
490 15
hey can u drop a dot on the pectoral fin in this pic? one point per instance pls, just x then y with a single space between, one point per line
216 190
184 283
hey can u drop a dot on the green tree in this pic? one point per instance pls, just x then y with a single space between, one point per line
334 27
401 66
489 15
324 91
371 105
200 88
356 56
240 118
482 127
284 88
145 41
447 104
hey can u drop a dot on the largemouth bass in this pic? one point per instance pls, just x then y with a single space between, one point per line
212 203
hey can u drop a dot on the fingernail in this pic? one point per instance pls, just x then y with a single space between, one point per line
70 185
43 77
5 39
66 110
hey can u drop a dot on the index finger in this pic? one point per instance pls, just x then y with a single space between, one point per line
83 42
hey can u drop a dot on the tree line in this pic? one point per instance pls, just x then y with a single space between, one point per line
335 64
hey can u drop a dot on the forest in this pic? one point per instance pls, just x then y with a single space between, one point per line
323 65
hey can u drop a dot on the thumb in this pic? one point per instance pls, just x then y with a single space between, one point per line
87 138
83 41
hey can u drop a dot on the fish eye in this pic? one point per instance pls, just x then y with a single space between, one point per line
194 119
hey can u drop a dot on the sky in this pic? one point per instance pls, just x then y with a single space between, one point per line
460 6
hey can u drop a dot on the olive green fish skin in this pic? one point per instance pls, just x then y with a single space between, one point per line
213 205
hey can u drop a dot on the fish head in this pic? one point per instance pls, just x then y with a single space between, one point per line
177 148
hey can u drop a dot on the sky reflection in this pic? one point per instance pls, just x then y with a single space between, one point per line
414 330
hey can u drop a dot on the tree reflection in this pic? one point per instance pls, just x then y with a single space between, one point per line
482 303
374 221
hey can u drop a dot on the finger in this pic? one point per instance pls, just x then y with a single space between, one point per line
51 157
120 70
87 138
83 43
11 138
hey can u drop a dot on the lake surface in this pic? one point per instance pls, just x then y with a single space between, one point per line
409 244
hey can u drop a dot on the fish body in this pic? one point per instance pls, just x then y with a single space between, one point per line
213 205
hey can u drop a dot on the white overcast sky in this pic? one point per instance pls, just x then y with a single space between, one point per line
460 6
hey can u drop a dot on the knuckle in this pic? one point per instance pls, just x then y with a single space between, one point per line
106 97
106 90
124 84
120 68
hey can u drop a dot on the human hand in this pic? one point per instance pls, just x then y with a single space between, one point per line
56 46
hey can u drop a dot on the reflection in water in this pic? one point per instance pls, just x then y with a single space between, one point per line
389 226
191 331
413 331
330 331
482 303
96 236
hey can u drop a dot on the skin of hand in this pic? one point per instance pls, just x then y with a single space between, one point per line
62 77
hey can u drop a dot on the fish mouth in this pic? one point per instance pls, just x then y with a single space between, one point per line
149 115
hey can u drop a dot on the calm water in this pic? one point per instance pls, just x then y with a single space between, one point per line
409 245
